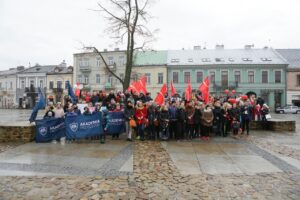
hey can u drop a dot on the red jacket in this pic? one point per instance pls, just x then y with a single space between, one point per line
141 115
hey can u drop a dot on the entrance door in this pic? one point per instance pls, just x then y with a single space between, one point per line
277 99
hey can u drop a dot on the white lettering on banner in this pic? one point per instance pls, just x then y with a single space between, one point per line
116 120
55 128
91 124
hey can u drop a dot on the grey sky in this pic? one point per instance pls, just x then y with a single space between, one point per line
48 31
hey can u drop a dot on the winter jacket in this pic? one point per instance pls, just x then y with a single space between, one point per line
207 117
129 112
141 115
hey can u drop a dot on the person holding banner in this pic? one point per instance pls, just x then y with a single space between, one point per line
129 115
50 113
59 111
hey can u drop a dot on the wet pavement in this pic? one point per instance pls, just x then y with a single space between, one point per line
80 159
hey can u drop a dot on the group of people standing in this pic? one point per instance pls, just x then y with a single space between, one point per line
175 119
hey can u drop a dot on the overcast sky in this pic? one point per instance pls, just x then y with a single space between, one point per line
49 31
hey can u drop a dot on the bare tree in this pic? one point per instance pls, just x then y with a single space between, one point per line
127 21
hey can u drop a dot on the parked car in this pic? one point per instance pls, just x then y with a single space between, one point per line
288 109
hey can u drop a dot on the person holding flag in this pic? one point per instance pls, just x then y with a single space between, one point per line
39 105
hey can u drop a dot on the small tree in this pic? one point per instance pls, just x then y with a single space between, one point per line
127 21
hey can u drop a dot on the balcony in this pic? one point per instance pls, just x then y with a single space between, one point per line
221 86
85 68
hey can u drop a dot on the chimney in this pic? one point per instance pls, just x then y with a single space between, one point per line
11 69
197 47
63 64
220 46
248 46
117 49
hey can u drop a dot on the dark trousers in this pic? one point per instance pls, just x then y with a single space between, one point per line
172 129
245 124
152 131
190 131
180 130
197 130
205 131
140 131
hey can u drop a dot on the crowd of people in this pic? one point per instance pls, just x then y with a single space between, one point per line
176 118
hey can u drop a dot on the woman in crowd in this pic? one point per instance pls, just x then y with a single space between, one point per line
246 116
206 122
164 119
141 118
129 115
190 124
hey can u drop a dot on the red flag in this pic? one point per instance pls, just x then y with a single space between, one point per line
188 92
173 90
77 90
142 85
132 87
204 88
160 98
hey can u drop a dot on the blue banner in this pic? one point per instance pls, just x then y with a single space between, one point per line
83 126
115 122
49 129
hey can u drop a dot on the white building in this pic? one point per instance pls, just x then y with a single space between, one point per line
90 71
8 87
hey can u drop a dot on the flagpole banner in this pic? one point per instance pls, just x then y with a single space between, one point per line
115 122
83 126
49 129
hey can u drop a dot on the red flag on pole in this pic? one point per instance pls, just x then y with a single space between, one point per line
173 90
77 90
160 98
188 92
204 88
132 87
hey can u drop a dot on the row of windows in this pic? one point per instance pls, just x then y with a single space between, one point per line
31 84
6 85
190 60
59 85
224 77
110 61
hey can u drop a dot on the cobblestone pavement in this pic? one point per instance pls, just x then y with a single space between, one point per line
155 177
7 146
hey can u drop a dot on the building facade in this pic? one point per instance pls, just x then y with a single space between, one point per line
28 82
57 90
292 56
153 65
90 71
8 87
261 72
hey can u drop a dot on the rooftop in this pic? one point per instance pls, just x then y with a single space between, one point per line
224 56
292 56
143 58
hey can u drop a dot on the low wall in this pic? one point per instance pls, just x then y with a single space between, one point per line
274 125
17 132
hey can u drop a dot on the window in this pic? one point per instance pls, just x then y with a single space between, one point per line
31 83
135 77
175 60
160 78
0 85
86 79
220 60
264 76
41 83
51 85
237 76
224 78
205 60
110 79
121 60
110 60
247 59
190 60
250 76
175 77
277 76
66 85
187 77
98 78
98 62
148 77
266 59
59 84
79 79
212 76
199 77
22 84
231 59
298 80
84 62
